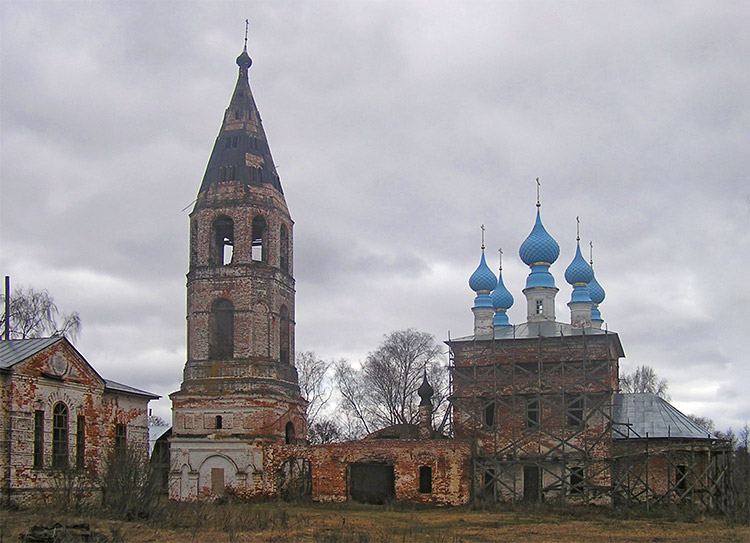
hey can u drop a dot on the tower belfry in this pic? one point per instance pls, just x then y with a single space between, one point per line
239 390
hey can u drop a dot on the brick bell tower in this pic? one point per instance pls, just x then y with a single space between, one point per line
239 393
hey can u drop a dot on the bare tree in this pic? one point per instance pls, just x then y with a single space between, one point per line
33 313
352 390
383 392
704 422
312 373
156 420
325 431
644 379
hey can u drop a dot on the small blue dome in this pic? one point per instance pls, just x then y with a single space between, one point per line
539 246
501 297
596 291
483 279
579 270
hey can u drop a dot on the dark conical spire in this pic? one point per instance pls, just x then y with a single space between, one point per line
425 391
241 152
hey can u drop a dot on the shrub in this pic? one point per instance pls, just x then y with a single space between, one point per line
129 485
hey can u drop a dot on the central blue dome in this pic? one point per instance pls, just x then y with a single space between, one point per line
539 246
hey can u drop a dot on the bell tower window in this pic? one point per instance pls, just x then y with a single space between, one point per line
539 307
223 241
221 329
284 334
260 240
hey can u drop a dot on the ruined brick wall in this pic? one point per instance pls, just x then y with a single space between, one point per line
449 460
59 376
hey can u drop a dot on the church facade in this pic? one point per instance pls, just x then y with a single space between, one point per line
62 423
536 409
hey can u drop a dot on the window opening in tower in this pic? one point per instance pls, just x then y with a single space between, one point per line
223 250
259 246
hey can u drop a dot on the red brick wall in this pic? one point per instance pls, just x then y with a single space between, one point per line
449 460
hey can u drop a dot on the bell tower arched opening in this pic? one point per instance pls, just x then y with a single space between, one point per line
222 241
260 240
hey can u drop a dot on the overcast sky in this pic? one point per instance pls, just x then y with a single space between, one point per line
398 128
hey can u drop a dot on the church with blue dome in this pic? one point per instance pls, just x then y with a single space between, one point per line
540 402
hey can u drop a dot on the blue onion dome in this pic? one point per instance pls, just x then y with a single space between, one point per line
579 270
501 297
483 279
596 291
539 246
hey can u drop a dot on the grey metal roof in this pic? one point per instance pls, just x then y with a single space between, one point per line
154 433
647 415
119 387
13 351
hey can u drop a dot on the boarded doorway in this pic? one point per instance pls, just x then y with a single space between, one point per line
217 481
531 482
371 483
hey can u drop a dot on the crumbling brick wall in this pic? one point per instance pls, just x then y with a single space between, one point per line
448 460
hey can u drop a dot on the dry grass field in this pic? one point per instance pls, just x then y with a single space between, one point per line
351 523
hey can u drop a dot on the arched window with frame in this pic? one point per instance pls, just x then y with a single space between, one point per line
60 436
284 334
221 329
260 239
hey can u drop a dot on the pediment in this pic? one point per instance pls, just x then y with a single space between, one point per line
62 362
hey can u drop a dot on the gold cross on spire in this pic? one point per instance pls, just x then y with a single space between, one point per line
500 251
591 253
538 185
482 227
578 229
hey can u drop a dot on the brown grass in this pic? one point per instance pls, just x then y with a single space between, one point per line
352 523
